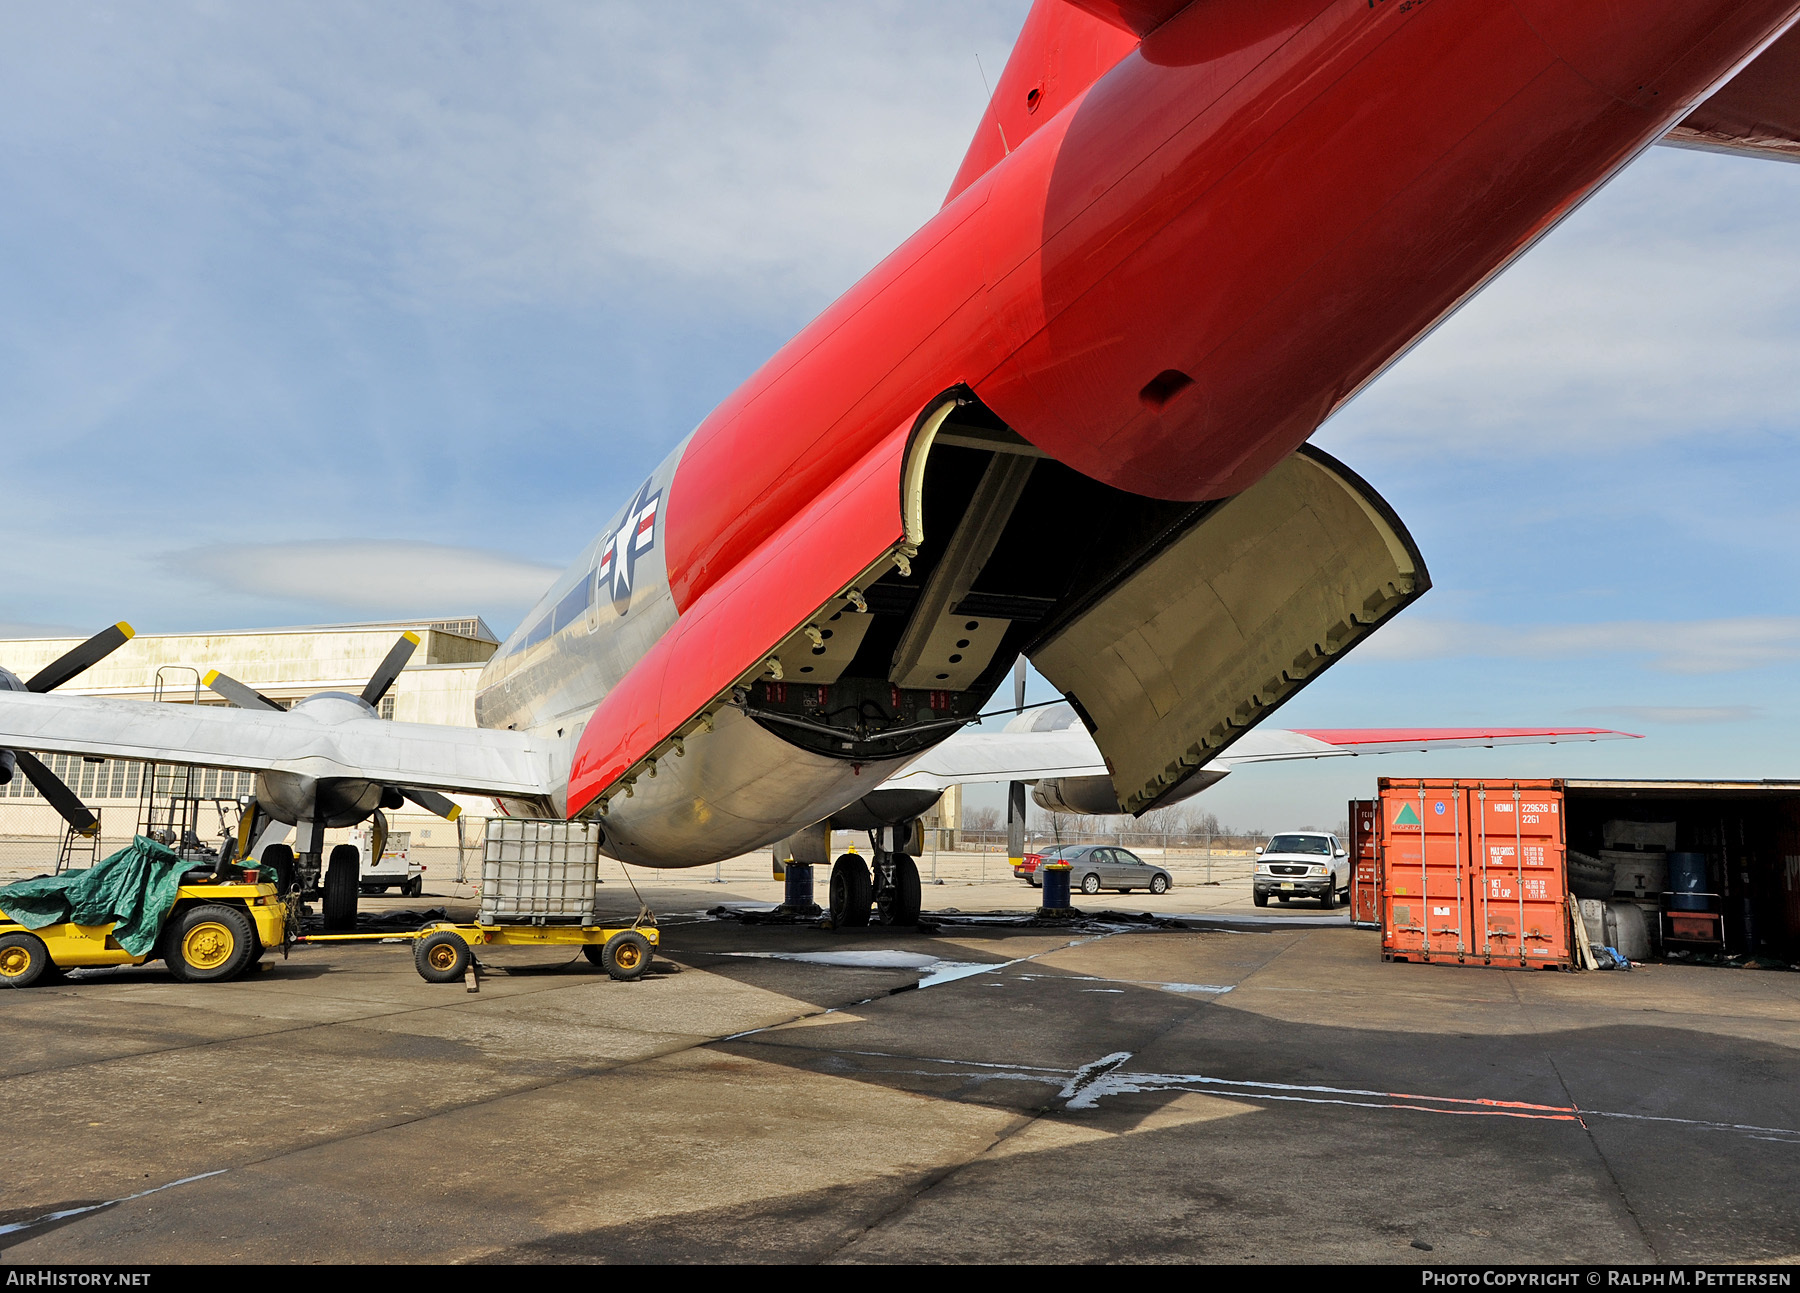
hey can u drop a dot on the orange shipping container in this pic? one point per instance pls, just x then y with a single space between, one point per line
1473 872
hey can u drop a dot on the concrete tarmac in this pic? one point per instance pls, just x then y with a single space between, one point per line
1242 1092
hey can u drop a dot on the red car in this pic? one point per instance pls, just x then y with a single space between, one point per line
1028 865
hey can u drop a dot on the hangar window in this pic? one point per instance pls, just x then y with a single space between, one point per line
111 780
104 779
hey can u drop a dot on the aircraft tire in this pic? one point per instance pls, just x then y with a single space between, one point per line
902 906
279 858
341 887
851 891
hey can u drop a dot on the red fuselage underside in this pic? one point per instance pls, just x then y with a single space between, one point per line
1273 198
1169 283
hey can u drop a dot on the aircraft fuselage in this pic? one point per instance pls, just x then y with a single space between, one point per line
1164 281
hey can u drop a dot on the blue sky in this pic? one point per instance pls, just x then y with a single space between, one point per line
320 312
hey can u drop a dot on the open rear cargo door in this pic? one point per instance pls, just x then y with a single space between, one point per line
1229 619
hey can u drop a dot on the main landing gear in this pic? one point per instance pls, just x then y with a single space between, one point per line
888 895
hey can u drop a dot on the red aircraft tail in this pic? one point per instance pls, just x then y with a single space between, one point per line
1061 51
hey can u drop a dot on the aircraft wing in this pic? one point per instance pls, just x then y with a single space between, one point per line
971 757
427 755
1275 746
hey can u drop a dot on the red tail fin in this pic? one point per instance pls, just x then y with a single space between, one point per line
1061 51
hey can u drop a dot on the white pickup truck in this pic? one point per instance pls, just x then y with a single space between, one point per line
1301 864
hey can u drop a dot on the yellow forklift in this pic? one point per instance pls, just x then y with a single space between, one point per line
217 929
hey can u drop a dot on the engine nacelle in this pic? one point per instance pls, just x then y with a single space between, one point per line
1095 796
341 801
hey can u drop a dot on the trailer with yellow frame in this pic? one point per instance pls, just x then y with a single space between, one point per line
443 952
214 932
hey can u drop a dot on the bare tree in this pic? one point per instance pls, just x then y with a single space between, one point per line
1060 827
981 819
1159 821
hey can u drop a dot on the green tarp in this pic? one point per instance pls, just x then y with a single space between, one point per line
135 887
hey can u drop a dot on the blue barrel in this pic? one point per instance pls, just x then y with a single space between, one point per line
1687 882
1056 885
799 886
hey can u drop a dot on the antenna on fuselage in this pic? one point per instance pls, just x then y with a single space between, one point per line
1005 147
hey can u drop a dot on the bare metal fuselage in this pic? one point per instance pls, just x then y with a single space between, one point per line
735 788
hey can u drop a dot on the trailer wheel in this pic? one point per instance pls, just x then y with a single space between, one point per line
23 960
413 888
441 957
208 944
340 887
626 955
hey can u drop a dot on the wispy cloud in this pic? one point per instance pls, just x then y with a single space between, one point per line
1666 310
1673 646
775 149
394 578
1676 714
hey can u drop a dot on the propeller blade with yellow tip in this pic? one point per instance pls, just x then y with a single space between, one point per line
57 793
389 668
432 802
240 694
85 656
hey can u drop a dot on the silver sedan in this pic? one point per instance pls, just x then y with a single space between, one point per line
1093 867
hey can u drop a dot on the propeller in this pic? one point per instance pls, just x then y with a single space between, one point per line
52 787
432 802
57 794
245 696
389 668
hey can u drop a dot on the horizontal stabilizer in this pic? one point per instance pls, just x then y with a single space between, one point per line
1139 17
1756 113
